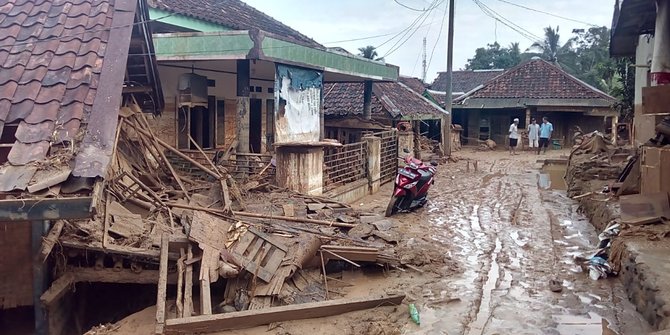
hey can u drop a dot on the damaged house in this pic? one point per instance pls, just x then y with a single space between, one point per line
66 69
534 89
118 184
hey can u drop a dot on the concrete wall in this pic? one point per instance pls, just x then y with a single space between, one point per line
643 125
16 274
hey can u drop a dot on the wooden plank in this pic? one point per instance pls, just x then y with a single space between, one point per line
58 288
253 318
188 283
180 284
209 229
119 250
162 284
50 240
289 210
125 276
656 100
205 265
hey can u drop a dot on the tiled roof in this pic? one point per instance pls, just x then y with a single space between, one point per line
464 81
58 85
414 83
341 99
394 98
234 14
537 79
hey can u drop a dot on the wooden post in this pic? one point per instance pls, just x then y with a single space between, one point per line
162 284
615 131
243 119
188 282
39 277
205 293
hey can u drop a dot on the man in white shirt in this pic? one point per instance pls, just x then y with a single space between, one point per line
533 134
513 136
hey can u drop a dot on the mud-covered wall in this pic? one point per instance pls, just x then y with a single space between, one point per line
16 274
643 125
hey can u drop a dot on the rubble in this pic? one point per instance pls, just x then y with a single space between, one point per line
157 223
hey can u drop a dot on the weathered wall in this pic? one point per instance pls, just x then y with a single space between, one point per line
16 274
643 125
225 89
298 101
300 169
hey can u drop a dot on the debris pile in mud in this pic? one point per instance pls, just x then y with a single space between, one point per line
167 217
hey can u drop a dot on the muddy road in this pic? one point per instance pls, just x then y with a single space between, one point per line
510 237
488 244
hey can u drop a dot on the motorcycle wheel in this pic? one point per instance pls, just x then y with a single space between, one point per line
393 205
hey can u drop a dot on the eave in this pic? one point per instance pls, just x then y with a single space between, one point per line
635 18
230 45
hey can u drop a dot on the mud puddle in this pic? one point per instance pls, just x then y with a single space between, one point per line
551 176
484 313
590 324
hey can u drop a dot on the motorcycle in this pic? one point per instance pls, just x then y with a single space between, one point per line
411 185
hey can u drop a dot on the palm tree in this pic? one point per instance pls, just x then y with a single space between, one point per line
550 47
369 52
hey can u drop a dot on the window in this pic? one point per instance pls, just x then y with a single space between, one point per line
7 140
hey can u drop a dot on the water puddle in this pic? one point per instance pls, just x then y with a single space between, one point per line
484 313
551 176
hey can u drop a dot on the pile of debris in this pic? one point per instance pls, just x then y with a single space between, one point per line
156 224
595 161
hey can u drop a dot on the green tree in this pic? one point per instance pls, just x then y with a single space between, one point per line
495 57
369 52
550 48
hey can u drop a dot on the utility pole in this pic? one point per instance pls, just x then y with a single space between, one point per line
446 120
423 74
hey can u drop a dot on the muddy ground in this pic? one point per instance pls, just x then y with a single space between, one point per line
489 243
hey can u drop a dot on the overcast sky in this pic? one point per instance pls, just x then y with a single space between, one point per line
338 20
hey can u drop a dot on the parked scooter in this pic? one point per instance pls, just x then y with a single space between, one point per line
411 185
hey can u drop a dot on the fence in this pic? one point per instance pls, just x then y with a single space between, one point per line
239 165
344 164
389 155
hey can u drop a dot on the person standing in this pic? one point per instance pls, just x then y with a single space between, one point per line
513 136
533 134
545 134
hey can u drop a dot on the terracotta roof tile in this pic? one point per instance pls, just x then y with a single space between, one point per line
20 111
54 77
74 110
24 153
31 133
39 60
36 74
393 98
50 93
464 81
7 89
67 131
51 64
234 14
43 112
28 91
414 83
537 79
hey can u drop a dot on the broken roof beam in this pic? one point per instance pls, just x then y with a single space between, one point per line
253 318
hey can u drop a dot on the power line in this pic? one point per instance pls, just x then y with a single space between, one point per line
432 52
404 31
408 7
400 41
496 16
548 13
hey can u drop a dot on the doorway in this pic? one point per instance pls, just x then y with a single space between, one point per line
255 125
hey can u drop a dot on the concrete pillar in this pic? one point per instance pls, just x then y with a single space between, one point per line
405 141
367 100
243 82
527 117
416 127
374 162
445 133
300 169
322 119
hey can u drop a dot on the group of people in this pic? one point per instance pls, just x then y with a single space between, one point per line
538 135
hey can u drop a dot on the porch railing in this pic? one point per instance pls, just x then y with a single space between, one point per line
344 164
389 155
